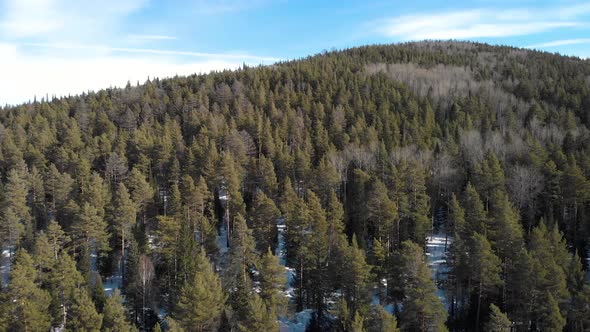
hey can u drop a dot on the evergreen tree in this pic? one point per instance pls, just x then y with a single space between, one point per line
475 215
16 212
65 279
115 319
423 310
260 317
382 321
201 299
272 282
83 314
383 215
263 216
123 214
485 267
498 321
91 230
29 309
140 191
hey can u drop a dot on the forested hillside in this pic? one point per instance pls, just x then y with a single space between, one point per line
415 187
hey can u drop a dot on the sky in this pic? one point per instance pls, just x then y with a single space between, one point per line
63 47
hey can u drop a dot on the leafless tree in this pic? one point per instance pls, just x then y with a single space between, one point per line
115 168
524 183
146 274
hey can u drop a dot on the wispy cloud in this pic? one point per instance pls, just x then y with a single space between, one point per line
44 47
107 49
480 23
40 18
561 42
152 37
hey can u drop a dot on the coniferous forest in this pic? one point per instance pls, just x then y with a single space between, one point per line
425 186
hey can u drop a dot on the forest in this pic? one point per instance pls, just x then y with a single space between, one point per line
424 186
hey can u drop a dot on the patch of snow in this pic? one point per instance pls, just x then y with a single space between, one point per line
298 324
437 247
5 265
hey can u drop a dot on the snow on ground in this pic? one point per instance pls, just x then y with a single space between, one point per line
302 318
298 324
116 280
5 265
437 247
112 283
222 237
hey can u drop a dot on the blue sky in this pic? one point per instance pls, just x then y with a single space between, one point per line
61 47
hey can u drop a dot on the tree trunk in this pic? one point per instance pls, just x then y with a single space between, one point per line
478 307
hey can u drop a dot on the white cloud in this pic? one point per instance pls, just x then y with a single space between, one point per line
480 23
44 50
108 49
63 18
561 42
26 76
152 37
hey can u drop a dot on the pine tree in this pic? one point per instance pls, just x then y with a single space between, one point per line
335 219
115 319
489 177
383 215
124 214
314 261
505 230
475 215
83 314
498 321
16 213
173 207
272 282
357 324
355 276
485 267
140 191
242 253
91 230
550 318
29 309
382 321
64 278
263 216
456 219
260 317
423 310
201 299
